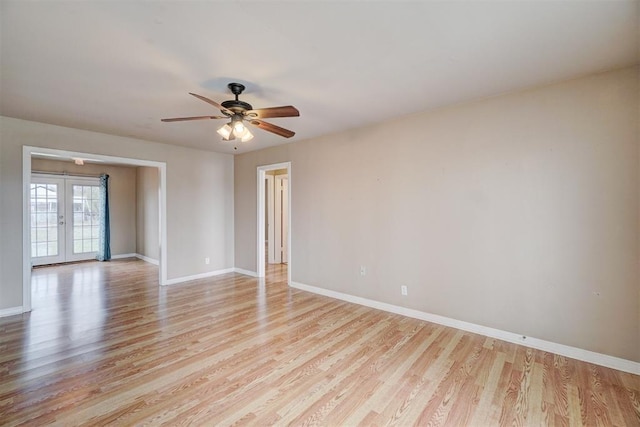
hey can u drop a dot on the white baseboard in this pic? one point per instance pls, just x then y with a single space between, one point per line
245 272
11 311
198 276
560 349
120 256
147 259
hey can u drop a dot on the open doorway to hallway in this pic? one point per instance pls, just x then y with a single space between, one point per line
276 217
274 220
277 225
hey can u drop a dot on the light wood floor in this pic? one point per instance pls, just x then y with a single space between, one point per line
105 345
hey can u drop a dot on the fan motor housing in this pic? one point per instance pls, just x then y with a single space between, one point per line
236 106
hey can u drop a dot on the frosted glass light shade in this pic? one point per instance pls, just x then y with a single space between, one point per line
238 129
225 131
248 136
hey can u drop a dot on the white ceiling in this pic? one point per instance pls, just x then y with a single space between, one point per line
118 67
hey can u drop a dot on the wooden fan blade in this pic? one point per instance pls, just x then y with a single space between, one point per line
265 113
180 119
214 103
269 127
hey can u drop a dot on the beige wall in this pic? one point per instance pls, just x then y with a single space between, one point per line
147 218
199 197
518 212
122 198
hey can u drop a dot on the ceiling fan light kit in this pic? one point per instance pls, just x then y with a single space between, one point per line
225 131
238 112
248 136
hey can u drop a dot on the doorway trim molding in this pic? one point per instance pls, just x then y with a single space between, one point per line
27 152
261 173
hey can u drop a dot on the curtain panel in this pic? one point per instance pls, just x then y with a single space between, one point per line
104 242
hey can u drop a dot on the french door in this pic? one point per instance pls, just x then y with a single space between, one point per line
64 219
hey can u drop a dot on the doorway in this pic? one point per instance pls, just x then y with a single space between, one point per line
27 153
63 218
279 246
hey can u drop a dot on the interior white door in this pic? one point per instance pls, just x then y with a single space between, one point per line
281 220
270 225
47 220
285 219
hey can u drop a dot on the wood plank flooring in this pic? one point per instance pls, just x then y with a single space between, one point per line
104 345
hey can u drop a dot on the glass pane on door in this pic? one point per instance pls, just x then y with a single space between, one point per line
85 218
44 220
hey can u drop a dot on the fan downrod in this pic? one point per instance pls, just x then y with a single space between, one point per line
236 105
236 89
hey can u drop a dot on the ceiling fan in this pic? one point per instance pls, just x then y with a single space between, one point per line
239 111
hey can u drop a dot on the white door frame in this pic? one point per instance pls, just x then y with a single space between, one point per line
27 152
261 173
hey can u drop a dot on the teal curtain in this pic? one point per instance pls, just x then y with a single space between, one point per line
104 241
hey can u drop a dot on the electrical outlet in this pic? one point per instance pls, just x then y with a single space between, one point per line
403 290
363 270
207 260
